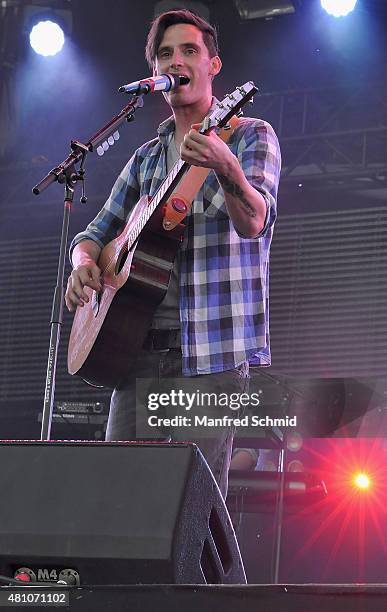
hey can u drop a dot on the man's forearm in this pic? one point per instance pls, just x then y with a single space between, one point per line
85 251
245 205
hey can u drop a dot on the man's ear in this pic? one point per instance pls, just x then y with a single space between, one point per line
215 65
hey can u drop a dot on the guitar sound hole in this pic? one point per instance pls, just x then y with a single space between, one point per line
121 261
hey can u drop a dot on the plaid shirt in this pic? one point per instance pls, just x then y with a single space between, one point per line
224 278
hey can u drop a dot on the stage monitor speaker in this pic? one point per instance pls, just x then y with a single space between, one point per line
114 513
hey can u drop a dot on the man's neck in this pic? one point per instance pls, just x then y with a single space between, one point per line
186 116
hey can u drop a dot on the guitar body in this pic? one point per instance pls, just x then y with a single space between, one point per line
110 329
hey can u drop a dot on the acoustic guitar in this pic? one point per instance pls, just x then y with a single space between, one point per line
110 328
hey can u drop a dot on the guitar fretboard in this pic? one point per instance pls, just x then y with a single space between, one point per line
172 177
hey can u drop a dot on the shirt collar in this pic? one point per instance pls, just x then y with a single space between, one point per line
167 127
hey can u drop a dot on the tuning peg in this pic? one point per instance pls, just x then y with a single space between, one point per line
251 101
239 113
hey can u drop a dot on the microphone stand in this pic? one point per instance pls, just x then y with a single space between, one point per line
67 173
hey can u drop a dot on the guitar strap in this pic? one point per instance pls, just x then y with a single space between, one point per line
179 203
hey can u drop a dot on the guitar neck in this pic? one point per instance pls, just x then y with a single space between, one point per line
168 185
164 191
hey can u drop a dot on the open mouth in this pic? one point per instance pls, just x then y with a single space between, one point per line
183 79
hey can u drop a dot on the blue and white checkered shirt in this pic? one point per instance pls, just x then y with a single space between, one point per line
224 277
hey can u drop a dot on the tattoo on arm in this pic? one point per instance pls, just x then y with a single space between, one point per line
234 189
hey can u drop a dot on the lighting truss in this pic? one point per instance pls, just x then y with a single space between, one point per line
265 9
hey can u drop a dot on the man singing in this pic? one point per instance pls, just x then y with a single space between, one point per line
214 317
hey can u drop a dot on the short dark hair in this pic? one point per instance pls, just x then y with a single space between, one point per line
165 20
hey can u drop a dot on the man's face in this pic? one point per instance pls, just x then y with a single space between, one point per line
183 51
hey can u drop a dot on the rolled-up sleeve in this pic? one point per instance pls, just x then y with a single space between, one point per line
260 158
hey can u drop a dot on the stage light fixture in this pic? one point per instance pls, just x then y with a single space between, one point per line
362 481
47 38
47 27
295 466
264 9
294 442
338 8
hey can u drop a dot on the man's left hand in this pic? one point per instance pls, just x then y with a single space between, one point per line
206 150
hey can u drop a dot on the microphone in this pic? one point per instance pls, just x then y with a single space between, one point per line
163 82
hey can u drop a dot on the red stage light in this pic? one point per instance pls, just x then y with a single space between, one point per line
362 481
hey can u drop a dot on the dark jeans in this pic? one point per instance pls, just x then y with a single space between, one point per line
158 367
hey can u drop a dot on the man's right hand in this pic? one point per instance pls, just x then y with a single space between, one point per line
85 273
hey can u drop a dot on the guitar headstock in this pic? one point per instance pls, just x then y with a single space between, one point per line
229 106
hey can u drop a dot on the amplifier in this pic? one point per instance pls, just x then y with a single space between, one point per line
80 407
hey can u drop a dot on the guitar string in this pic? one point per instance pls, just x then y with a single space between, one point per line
144 218
138 227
